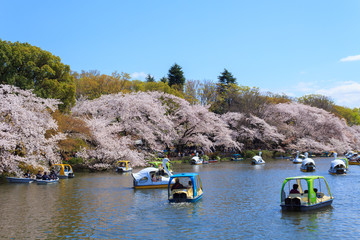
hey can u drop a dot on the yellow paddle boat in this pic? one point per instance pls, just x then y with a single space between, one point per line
63 170
123 166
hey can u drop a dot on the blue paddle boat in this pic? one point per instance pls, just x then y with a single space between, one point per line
187 188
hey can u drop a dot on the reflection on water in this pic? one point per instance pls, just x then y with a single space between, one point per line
240 201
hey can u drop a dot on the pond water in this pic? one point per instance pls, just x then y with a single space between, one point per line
240 201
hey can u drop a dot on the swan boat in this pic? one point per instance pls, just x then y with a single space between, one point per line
196 160
63 170
313 193
297 160
152 177
257 160
123 166
338 165
187 188
307 165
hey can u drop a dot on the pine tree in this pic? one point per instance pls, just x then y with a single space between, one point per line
176 76
149 78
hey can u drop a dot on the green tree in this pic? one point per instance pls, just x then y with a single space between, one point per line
225 79
176 77
149 78
30 67
164 80
319 101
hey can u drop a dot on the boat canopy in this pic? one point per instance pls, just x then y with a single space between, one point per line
308 161
337 162
309 185
144 173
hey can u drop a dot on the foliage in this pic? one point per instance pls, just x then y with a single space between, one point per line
92 84
226 79
176 77
149 78
351 116
29 67
24 121
317 100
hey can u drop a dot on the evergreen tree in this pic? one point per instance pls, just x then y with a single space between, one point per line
150 78
225 79
176 76
164 80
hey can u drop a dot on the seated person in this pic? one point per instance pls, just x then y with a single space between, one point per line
153 178
295 189
27 174
189 184
53 175
177 184
39 175
45 176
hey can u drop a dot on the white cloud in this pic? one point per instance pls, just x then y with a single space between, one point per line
345 94
350 58
138 75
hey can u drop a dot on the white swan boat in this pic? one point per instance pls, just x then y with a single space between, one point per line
257 160
297 160
338 165
308 164
152 177
196 160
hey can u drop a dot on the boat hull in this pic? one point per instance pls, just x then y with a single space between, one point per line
180 200
354 163
304 208
19 180
308 169
151 186
43 182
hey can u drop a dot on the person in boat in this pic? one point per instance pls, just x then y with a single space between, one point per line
189 184
53 175
45 176
177 185
39 175
27 174
153 178
295 189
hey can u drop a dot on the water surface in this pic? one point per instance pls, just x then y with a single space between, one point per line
240 201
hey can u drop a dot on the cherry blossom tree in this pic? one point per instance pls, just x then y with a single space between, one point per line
25 122
155 119
253 132
311 129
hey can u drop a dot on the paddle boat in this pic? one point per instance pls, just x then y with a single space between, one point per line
187 188
19 180
237 157
305 193
63 170
196 160
307 165
338 165
354 159
152 177
123 166
297 159
257 160
43 182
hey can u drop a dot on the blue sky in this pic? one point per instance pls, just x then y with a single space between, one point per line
292 47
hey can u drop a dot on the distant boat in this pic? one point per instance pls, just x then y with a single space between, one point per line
257 160
196 160
19 180
338 166
63 170
307 165
123 166
237 157
297 160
